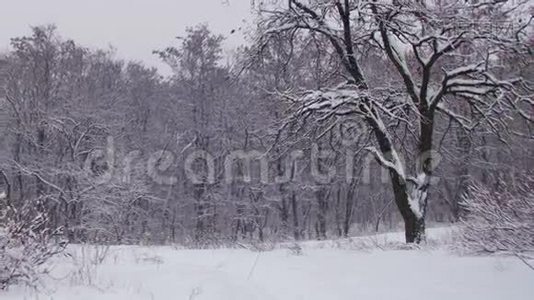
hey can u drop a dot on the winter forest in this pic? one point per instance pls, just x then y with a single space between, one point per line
346 149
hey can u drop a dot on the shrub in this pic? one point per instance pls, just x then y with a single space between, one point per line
501 220
26 244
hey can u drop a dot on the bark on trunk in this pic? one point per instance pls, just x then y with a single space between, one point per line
414 226
414 230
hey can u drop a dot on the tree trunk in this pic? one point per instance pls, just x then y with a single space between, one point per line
414 229
200 229
294 207
414 225
322 207
349 209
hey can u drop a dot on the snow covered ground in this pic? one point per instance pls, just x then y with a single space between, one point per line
344 269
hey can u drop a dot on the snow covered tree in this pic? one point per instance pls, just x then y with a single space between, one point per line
444 54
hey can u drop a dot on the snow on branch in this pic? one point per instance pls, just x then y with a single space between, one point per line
433 32
371 105
394 164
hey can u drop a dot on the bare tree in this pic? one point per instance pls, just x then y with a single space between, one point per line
423 42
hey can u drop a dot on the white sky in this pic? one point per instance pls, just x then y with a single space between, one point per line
133 27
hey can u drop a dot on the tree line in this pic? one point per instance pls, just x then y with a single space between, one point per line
407 107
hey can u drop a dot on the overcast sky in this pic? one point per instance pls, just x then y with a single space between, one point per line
133 27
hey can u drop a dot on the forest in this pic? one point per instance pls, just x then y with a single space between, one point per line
335 119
